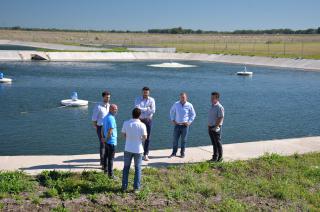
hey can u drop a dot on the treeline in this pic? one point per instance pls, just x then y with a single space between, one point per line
178 30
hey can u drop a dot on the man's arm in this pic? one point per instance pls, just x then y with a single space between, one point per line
172 114
109 133
220 117
95 116
192 116
137 105
152 109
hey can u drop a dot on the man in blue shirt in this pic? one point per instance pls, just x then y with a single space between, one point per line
109 137
182 115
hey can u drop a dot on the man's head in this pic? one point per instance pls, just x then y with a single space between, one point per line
183 97
113 109
215 96
136 113
145 92
106 95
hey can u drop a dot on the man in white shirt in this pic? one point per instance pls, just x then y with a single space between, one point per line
182 114
147 106
99 112
135 133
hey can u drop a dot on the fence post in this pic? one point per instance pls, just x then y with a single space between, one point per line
284 48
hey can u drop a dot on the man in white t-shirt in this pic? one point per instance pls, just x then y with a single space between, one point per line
135 133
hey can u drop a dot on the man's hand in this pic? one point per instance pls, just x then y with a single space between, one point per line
174 122
102 140
187 124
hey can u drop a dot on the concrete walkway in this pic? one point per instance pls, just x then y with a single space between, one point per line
158 158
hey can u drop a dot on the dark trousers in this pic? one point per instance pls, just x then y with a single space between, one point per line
108 159
102 145
216 143
148 123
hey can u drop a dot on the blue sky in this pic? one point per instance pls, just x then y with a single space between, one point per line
146 14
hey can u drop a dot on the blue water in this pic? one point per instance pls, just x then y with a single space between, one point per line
274 103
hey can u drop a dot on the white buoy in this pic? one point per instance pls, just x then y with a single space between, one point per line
172 65
4 80
245 72
74 101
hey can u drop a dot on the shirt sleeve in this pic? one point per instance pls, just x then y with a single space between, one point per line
95 113
221 112
192 114
111 123
137 105
172 112
123 130
152 108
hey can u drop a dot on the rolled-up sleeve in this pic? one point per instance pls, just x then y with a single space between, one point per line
192 115
172 112
221 112
95 113
152 109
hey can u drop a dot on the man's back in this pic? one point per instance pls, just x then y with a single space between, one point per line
134 130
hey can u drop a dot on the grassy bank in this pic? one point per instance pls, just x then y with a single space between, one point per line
271 182
290 46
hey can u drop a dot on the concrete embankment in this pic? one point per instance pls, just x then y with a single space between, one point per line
237 151
305 64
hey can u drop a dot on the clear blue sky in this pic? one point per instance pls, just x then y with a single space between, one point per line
146 14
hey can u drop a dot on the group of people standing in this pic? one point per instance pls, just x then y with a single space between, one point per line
137 131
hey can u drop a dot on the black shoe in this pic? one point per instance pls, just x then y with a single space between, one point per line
172 155
212 160
112 177
183 156
220 159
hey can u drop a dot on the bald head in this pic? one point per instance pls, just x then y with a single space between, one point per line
113 109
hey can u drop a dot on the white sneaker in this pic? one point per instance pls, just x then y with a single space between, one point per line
145 158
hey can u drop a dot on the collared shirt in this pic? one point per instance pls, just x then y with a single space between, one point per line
216 111
134 130
99 112
182 112
147 106
109 122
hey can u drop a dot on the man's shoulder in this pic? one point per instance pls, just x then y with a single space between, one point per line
151 98
189 104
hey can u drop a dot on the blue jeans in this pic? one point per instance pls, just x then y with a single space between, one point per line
180 131
137 166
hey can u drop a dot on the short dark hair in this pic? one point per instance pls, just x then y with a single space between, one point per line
146 88
136 113
105 93
215 93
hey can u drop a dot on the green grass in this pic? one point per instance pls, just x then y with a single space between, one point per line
271 182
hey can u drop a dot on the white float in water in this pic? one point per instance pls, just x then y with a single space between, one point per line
172 65
245 72
4 80
74 101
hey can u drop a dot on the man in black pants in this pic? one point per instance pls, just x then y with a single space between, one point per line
215 121
147 105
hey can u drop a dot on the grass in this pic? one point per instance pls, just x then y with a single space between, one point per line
271 182
287 46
